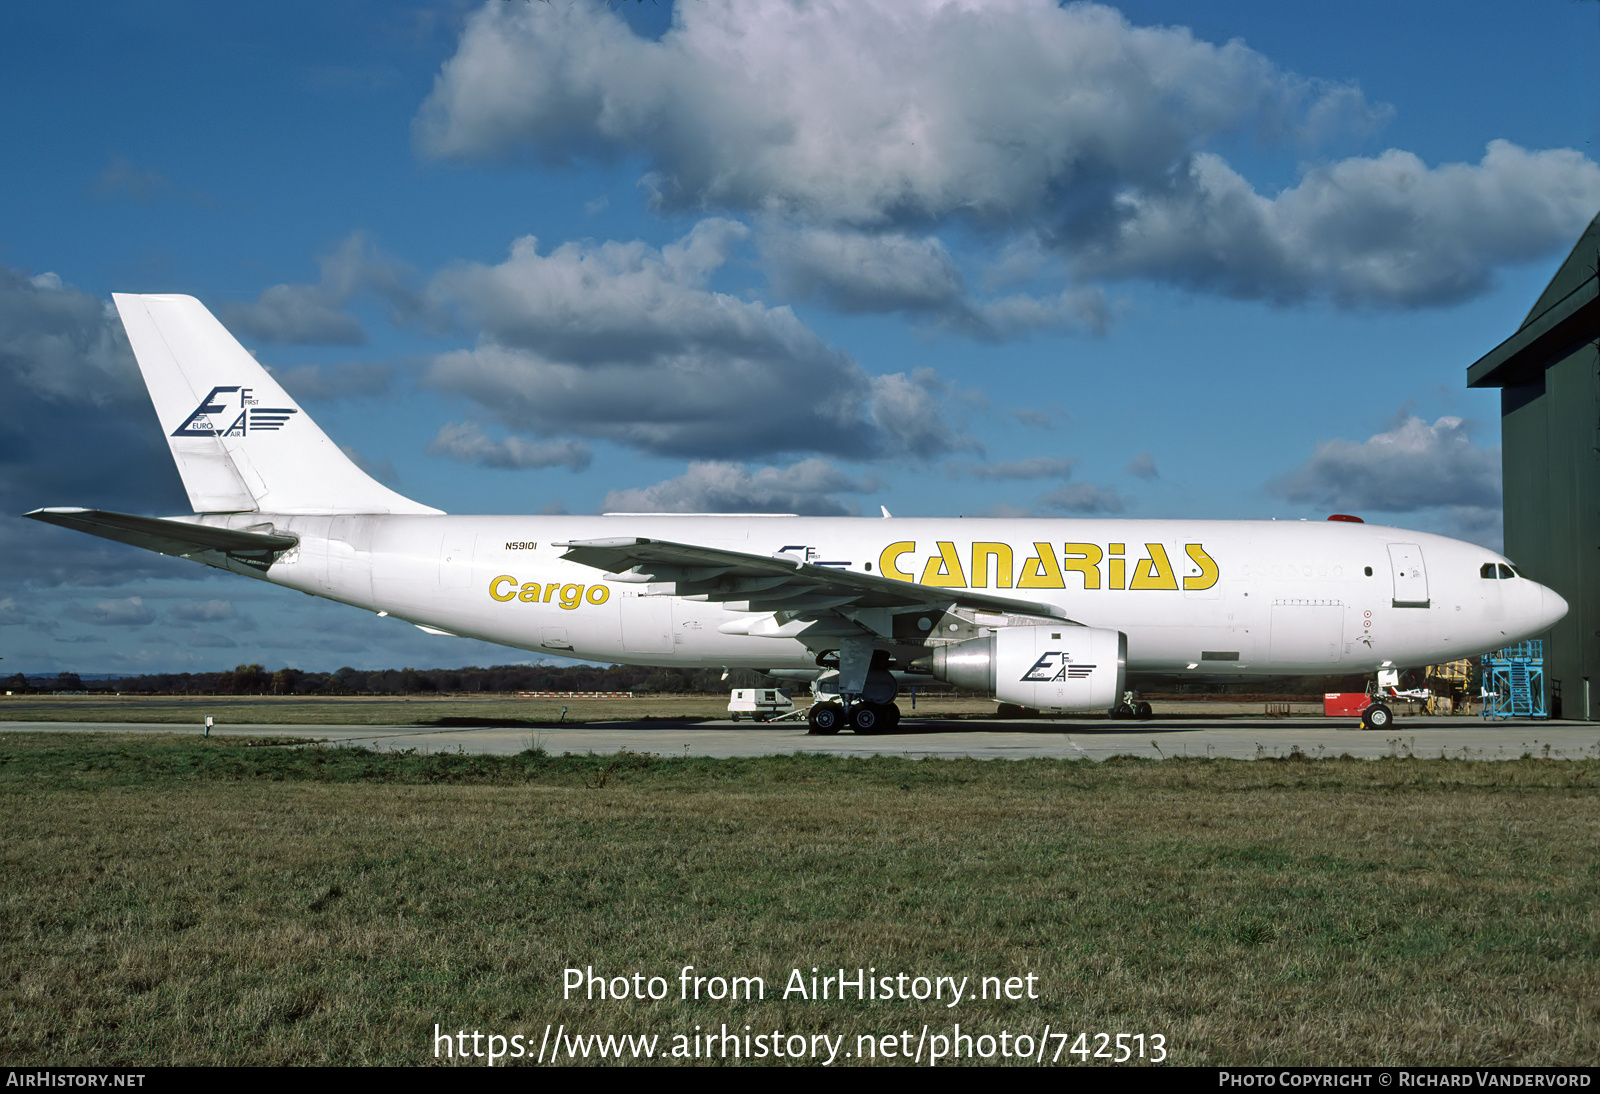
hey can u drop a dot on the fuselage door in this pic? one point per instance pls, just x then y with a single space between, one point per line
1410 575
647 624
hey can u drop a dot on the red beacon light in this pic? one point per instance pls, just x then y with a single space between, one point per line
1347 517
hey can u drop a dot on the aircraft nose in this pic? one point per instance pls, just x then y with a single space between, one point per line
1552 607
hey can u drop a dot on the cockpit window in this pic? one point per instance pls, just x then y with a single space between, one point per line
1487 570
1497 571
1507 572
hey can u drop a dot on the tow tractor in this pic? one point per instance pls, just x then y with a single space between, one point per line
1372 705
758 704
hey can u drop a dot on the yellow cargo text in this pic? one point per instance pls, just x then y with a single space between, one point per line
506 588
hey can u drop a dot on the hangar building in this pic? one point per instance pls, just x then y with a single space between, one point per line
1548 374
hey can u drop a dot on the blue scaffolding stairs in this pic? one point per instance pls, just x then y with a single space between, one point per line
1513 681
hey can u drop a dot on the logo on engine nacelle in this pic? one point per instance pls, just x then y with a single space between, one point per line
1055 666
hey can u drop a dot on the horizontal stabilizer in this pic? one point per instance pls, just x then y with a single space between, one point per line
171 537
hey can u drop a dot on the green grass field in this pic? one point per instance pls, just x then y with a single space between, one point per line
179 901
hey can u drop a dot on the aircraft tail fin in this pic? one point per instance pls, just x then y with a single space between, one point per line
242 445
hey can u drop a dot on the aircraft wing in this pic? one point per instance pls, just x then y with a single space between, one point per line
171 537
775 583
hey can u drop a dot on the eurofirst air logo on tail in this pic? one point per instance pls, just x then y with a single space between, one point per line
251 418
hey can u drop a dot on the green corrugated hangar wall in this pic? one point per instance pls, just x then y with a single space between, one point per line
1548 374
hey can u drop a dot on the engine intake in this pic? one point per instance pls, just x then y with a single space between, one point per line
1050 667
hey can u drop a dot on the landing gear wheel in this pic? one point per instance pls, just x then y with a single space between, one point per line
1141 709
1377 716
825 719
891 720
868 718
1121 710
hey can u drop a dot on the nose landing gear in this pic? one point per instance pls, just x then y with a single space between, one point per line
1130 707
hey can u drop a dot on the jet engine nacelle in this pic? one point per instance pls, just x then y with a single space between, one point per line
1050 667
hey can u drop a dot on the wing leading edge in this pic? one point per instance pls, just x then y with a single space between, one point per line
767 583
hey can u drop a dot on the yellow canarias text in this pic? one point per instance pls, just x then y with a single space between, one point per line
985 565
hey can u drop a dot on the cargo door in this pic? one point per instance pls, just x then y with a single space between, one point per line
1307 632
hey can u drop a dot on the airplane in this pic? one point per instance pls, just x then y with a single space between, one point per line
1053 615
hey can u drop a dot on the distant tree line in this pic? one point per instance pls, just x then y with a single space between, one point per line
503 679
256 680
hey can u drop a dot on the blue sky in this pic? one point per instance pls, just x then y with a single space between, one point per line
1153 260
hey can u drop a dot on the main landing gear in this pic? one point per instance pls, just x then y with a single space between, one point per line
825 719
865 718
870 710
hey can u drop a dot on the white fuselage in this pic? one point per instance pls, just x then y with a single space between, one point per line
1186 599
1200 599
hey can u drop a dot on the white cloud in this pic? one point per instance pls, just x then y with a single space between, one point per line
628 343
806 488
862 112
1410 467
10 614
466 442
1080 497
121 176
589 303
906 408
129 612
297 315
62 344
856 271
202 611
1387 230
1035 418
76 428
1048 129
352 379
864 272
1143 466
1070 310
314 314
1034 467
1006 512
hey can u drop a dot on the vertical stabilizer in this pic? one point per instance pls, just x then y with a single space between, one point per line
241 443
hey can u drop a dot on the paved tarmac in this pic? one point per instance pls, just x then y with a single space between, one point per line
1236 737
